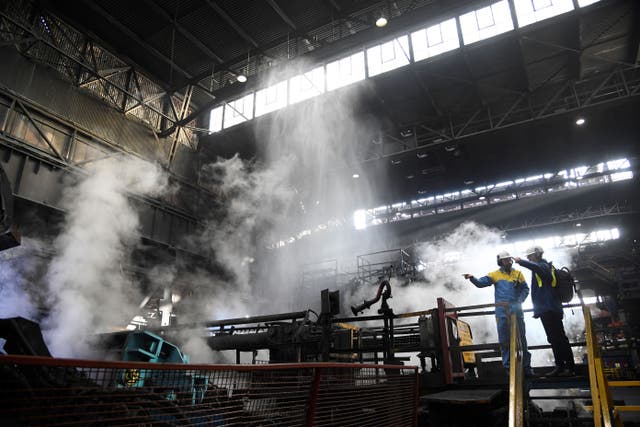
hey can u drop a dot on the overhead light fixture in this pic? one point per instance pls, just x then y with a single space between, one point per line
422 155
450 147
468 181
578 225
381 22
481 198
356 175
580 121
396 161
242 77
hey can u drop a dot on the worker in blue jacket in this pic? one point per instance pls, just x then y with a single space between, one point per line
548 308
510 287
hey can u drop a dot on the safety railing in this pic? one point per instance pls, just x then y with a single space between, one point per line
52 392
604 412
516 357
516 389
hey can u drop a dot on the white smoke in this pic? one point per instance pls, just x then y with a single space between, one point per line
254 197
470 248
16 265
89 293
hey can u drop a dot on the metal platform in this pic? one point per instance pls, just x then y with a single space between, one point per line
463 397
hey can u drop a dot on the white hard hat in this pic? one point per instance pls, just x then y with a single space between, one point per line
534 250
503 255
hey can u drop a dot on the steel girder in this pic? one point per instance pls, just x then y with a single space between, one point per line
86 64
544 102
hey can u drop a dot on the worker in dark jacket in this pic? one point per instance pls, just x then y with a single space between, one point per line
548 308
510 287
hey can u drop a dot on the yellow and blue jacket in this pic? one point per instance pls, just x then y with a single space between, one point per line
508 287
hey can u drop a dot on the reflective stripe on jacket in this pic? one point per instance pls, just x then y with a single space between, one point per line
542 295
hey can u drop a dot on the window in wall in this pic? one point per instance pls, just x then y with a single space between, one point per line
4 111
486 22
530 11
24 130
583 3
435 40
345 71
215 119
238 111
388 56
85 151
271 99
307 85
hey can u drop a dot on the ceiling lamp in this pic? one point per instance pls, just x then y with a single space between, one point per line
381 22
241 78
356 175
580 121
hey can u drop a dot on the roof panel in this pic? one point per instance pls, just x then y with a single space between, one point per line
256 18
211 29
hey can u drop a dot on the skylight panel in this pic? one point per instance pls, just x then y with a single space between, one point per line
621 176
618 164
360 219
435 40
530 11
345 71
238 111
271 99
583 3
307 85
487 22
215 119
388 56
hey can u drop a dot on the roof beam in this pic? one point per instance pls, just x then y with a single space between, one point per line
82 63
576 60
282 14
125 30
186 33
634 42
526 82
242 33
343 14
586 55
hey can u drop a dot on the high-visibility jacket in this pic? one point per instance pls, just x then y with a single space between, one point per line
508 287
542 283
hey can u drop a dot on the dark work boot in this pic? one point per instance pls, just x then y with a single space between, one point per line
555 372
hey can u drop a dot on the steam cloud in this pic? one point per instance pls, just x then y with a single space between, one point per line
88 291
18 269
472 248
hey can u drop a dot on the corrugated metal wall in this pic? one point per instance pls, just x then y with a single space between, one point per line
44 88
39 178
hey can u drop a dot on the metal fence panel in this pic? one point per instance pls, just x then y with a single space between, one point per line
38 391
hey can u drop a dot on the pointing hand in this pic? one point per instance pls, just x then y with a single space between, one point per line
468 276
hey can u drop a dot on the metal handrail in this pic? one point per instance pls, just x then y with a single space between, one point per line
604 412
516 390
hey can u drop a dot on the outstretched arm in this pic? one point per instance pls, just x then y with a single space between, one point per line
482 282
539 268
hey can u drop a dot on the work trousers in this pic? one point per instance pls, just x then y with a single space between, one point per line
553 327
504 335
